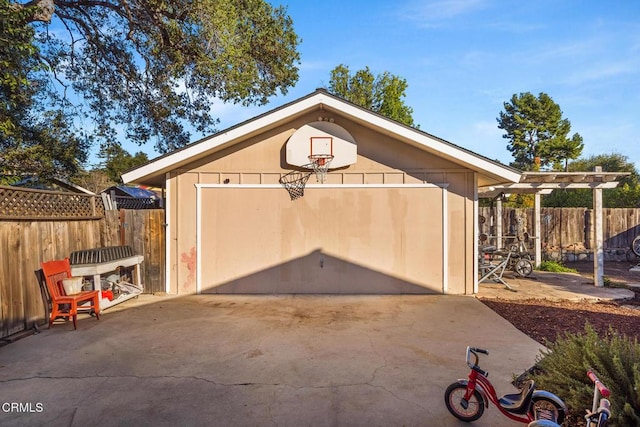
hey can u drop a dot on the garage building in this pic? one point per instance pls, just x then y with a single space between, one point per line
396 211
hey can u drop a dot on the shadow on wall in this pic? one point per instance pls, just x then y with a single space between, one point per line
321 273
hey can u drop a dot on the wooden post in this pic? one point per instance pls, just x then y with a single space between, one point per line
498 223
537 229
123 224
598 247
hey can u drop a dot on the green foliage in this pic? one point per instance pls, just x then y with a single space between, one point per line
37 134
614 358
627 194
142 68
537 133
117 161
16 65
555 267
518 200
382 94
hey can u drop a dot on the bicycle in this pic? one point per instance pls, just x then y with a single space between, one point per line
600 408
600 411
635 245
467 399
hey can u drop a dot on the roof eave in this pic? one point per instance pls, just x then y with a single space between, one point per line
491 172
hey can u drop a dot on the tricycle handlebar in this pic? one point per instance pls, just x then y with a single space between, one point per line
474 365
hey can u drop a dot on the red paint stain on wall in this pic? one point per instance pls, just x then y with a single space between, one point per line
189 259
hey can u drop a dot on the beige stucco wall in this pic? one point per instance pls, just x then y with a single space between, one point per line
260 159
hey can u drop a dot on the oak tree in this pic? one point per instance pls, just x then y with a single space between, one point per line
139 70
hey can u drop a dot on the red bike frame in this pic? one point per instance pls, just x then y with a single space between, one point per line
480 382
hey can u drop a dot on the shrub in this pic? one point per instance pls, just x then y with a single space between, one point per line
555 267
562 370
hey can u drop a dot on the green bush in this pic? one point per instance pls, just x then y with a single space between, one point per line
615 358
555 267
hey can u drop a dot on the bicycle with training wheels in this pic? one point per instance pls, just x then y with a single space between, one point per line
467 399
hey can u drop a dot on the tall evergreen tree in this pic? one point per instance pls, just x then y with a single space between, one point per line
537 133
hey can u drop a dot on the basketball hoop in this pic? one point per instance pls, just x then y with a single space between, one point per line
320 165
294 182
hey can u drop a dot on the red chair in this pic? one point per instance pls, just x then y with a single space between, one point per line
63 305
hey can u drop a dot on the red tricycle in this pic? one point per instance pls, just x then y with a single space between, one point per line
467 398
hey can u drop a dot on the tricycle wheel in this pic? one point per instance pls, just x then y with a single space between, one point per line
463 410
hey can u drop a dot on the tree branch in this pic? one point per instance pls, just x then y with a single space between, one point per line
42 10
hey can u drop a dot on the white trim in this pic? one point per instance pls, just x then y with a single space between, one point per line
203 147
445 242
198 239
326 101
456 154
167 234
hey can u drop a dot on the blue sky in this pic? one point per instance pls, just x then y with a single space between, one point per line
463 59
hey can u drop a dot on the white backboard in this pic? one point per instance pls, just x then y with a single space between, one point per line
321 137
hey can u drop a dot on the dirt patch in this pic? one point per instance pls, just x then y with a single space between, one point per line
545 320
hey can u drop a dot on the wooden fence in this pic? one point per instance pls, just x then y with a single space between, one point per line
569 229
25 242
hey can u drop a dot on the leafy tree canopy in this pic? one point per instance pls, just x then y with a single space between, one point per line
627 194
117 160
383 93
136 69
537 133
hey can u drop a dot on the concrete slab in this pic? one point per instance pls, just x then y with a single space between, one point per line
260 360
552 286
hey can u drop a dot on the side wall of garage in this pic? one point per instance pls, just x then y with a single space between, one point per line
262 208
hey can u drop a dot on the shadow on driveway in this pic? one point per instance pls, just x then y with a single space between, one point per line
261 360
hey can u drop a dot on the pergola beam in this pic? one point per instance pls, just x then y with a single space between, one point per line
539 183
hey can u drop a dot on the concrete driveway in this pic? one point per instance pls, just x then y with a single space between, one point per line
260 360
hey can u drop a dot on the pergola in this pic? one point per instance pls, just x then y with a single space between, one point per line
540 183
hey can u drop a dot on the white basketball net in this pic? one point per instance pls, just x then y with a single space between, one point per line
320 165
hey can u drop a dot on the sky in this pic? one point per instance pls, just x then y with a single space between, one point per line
463 59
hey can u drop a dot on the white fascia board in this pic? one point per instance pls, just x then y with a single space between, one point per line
457 155
473 162
205 146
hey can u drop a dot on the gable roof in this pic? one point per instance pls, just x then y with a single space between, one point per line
489 171
54 184
137 192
